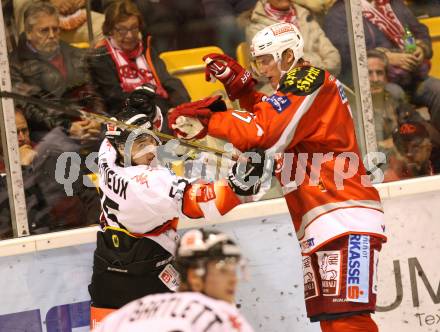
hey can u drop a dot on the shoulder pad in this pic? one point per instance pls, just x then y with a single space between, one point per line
302 81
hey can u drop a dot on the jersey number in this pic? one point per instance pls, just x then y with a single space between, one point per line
109 207
247 119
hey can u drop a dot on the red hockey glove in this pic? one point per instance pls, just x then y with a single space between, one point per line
237 80
190 120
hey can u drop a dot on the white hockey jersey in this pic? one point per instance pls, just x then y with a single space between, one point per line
182 312
148 200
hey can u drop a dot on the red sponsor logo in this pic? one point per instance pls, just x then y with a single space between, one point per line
279 29
353 292
166 277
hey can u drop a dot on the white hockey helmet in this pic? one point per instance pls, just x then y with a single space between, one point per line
199 243
198 246
277 38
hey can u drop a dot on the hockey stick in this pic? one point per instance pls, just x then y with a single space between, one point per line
74 111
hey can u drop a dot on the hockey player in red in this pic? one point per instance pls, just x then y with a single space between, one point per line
141 205
208 263
307 123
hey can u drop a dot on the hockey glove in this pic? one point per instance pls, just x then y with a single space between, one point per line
246 175
236 80
190 120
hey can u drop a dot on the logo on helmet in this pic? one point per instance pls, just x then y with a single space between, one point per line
281 28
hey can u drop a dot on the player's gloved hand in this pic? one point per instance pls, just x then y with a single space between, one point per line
237 80
246 175
190 120
142 99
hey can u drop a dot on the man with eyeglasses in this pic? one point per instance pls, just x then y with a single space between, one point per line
43 66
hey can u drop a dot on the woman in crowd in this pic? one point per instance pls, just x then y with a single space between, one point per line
125 60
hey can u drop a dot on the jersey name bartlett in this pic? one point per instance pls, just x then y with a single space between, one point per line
199 314
113 181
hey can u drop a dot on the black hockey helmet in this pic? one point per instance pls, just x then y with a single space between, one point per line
198 246
139 110
141 99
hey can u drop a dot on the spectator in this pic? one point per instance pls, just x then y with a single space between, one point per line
125 62
392 108
384 23
174 24
48 205
318 50
73 19
424 8
25 146
412 153
229 20
317 6
44 66
384 103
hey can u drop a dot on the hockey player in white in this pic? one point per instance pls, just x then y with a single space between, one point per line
141 204
208 263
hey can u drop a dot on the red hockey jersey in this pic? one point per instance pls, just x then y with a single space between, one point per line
309 122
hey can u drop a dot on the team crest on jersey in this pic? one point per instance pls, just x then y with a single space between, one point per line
279 103
302 81
330 270
310 286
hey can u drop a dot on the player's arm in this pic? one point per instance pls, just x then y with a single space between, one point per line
279 122
244 129
208 200
214 199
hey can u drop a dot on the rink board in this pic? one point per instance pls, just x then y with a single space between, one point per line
47 290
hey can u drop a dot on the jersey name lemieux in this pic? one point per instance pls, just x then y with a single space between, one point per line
113 181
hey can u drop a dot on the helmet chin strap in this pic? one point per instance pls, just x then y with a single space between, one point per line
283 72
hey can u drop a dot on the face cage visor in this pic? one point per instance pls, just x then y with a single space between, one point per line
227 265
139 135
